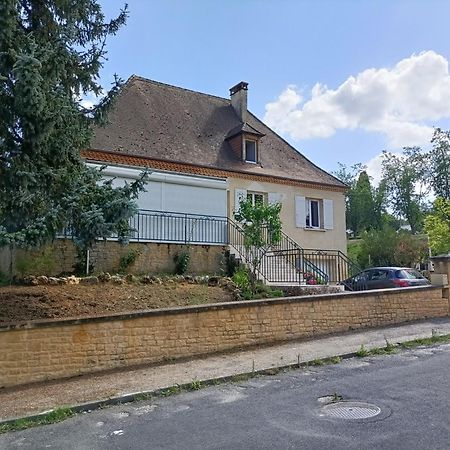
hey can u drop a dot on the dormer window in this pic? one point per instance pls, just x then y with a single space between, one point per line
251 151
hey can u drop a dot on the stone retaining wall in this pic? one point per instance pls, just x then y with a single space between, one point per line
60 257
39 350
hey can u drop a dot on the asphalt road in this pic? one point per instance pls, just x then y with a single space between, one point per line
285 411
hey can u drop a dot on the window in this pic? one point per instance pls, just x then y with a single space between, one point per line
409 274
378 274
251 151
255 197
313 212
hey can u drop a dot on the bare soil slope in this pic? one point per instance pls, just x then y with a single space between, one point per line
23 303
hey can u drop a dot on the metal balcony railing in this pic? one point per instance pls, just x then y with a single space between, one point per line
168 226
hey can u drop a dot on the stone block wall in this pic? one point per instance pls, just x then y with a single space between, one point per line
39 351
60 257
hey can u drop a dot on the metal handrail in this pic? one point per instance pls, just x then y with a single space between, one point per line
301 263
290 244
355 267
342 267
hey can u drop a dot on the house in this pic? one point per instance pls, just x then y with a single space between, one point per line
206 153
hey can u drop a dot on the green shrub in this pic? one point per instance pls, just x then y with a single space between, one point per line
128 259
264 291
242 280
182 259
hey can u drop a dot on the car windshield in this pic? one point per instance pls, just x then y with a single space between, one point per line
409 274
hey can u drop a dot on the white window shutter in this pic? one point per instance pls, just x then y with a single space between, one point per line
239 195
274 197
300 212
328 214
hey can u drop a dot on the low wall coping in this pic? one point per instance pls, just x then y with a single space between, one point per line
441 258
208 307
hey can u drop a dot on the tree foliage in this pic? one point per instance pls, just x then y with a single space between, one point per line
439 167
50 55
387 247
404 178
261 226
365 204
437 226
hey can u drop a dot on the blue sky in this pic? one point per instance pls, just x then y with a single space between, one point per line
285 48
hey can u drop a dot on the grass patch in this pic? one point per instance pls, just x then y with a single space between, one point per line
172 390
335 360
391 348
317 362
57 415
362 352
377 351
435 339
387 350
195 385
142 397
337 397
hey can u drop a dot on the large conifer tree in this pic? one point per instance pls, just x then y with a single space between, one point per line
51 52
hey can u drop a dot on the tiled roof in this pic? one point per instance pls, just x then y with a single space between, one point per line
168 123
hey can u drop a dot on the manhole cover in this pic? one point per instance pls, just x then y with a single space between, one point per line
351 410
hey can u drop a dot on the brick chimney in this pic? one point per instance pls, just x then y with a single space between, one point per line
238 96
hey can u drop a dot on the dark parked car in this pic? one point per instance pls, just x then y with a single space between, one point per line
385 277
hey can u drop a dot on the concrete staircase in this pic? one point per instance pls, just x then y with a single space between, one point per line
274 269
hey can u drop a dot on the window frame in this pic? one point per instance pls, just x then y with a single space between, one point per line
253 194
255 142
309 213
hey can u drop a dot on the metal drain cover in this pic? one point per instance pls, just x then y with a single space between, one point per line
351 410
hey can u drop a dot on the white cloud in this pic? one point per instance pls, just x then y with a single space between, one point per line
88 104
89 100
374 169
395 102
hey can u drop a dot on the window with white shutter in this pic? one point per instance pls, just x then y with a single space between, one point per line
300 212
274 197
328 222
316 214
